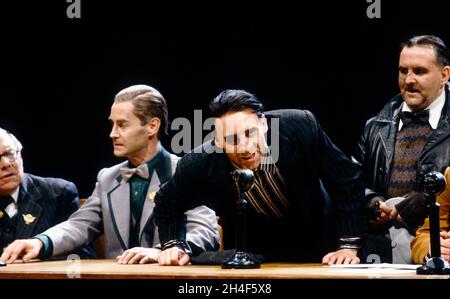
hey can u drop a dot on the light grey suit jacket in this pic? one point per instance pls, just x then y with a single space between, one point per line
107 211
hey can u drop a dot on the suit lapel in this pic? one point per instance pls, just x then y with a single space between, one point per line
439 134
162 172
387 137
388 120
119 208
149 204
220 179
443 129
30 211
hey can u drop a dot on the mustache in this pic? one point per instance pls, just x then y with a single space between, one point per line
411 88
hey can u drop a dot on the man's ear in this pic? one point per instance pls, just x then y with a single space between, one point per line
153 126
445 73
20 161
263 123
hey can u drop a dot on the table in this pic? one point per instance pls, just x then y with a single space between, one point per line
109 269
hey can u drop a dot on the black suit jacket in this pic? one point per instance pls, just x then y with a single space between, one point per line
307 158
50 201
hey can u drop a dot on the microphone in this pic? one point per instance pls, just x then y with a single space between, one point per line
244 178
434 183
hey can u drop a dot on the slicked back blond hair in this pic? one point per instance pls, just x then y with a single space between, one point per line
17 144
148 103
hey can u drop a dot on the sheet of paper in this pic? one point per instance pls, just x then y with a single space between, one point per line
379 266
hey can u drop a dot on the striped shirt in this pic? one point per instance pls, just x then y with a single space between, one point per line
268 195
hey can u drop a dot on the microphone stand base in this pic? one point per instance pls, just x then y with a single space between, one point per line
435 265
241 260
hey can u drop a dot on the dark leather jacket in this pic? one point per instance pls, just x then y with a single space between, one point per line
376 147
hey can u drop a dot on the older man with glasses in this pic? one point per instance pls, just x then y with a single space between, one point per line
30 204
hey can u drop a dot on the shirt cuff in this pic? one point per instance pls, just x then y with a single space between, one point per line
176 243
349 243
47 249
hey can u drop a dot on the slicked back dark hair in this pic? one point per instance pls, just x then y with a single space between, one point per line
235 100
440 49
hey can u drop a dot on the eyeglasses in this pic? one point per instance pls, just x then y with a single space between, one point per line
10 155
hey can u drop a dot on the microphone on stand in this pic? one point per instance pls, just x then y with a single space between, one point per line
433 184
244 180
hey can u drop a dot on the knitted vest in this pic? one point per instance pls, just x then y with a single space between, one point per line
409 143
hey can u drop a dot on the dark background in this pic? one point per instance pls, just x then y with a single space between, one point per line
59 75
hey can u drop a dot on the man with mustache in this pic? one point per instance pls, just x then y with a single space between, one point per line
289 217
409 138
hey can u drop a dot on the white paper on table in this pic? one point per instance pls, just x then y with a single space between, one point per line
378 266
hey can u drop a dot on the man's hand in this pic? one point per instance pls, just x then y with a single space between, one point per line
139 255
387 214
173 256
341 256
27 249
445 246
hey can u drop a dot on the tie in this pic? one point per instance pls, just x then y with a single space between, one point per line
141 170
4 202
415 117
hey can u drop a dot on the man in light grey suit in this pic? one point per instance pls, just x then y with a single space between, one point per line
121 205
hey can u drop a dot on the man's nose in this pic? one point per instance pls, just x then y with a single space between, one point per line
113 134
240 146
246 144
410 78
4 163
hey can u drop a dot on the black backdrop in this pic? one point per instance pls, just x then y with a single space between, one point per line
60 74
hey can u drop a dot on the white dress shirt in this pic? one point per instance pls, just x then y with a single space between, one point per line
435 108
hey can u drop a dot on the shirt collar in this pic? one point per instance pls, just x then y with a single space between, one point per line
15 195
435 111
153 161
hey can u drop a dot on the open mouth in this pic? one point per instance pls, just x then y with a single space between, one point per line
412 91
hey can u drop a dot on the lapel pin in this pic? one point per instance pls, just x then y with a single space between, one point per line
151 195
28 218
1 214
